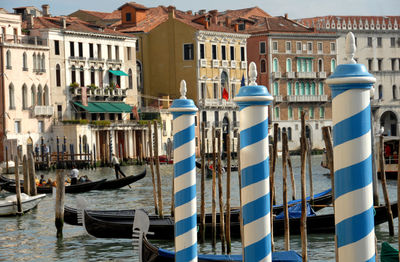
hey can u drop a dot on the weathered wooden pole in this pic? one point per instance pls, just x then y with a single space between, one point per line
58 149
17 186
32 175
183 111
303 223
25 172
159 183
151 160
220 194
289 161
384 186
214 193
285 200
398 197
274 158
7 159
228 194
253 101
309 149
354 211
60 195
203 175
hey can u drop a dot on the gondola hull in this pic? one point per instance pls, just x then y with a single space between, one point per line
121 182
9 208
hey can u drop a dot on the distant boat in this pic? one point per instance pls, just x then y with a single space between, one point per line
389 253
8 206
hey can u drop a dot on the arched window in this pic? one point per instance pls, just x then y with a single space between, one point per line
130 80
275 65
46 96
289 134
82 75
24 62
320 88
313 89
118 78
40 96
302 89
298 65
43 63
110 76
394 90
297 89
279 134
33 95
276 113
333 65
276 88
34 62
308 89
263 68
139 76
290 112
320 65
289 88
58 75
309 65
284 130
92 76
24 97
8 59
380 91
100 77
288 65
73 74
224 83
11 96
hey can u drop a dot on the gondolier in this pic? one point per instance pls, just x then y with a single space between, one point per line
115 162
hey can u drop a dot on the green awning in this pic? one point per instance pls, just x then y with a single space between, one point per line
105 107
118 73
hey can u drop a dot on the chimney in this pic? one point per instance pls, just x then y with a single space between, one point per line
214 14
171 11
64 22
228 21
207 24
236 27
29 18
45 10
286 16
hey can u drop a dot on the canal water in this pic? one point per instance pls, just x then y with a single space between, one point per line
32 237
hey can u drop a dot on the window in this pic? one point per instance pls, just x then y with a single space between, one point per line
394 91
202 90
46 96
73 74
242 54
308 91
288 47
40 126
322 112
262 66
99 51
82 76
355 41
233 90
297 89
214 52
288 65
276 88
80 49
392 42
109 55
202 53
216 118
71 49
319 45
289 133
380 91
56 47
130 79
17 127
313 88
275 65
309 47
188 53
129 53
24 97
298 47
370 64
379 41
58 75
8 59
289 88
311 112
139 75
275 46
33 95
11 96
34 62
369 41
223 52
302 89
215 91
379 64
321 88
232 52
276 112
92 76
290 112
279 134
333 47
39 99
128 17
24 62
204 116
262 48
91 53
393 61
333 65
116 52
299 111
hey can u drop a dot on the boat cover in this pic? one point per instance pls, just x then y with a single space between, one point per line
295 212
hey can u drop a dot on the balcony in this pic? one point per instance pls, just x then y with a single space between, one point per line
203 63
215 103
321 74
306 75
215 63
243 65
233 64
291 75
278 99
225 63
96 60
114 61
77 58
43 110
276 75
307 98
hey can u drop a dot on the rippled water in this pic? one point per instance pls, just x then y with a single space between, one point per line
32 237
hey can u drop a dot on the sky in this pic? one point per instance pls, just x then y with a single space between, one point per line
294 8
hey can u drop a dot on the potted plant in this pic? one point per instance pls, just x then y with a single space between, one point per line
73 86
92 87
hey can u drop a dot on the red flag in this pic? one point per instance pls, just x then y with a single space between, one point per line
225 94
117 86
84 96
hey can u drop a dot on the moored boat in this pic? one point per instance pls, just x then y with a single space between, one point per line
121 182
8 206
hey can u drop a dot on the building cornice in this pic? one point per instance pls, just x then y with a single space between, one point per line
298 36
222 34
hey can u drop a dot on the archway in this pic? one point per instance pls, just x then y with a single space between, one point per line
389 122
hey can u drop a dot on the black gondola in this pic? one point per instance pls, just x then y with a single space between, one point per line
233 168
121 182
70 214
164 228
151 253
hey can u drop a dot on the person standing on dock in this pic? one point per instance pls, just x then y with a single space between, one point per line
74 175
115 162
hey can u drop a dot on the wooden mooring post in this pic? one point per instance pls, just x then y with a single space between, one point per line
220 193
228 194
17 187
32 175
203 175
159 183
60 195
284 183
310 179
289 161
303 223
151 160
25 171
214 193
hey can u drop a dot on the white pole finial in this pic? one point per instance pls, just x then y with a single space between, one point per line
253 74
183 89
350 48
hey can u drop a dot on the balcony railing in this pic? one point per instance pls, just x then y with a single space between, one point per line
100 92
276 74
203 63
215 63
307 98
291 75
243 65
43 110
306 75
213 102
96 59
322 74
77 58
278 99
114 61
233 64
225 63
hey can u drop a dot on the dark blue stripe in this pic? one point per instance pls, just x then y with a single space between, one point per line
341 88
355 228
186 254
336 92
178 114
184 166
371 259
353 177
256 209
352 127
256 173
254 134
259 250
183 136
185 195
185 225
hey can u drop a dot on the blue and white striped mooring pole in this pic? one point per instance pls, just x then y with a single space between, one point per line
351 117
183 111
253 101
